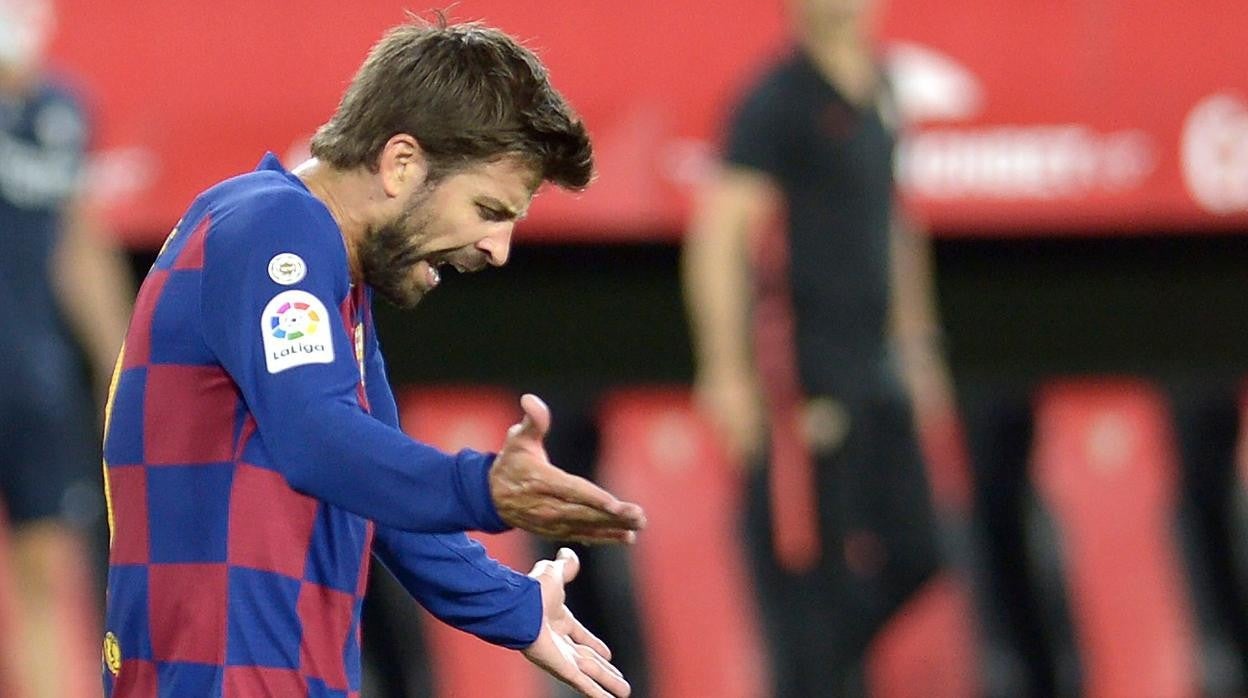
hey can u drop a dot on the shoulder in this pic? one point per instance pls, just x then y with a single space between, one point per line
265 229
779 79
770 95
263 209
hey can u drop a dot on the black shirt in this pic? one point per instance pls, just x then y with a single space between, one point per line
43 138
833 161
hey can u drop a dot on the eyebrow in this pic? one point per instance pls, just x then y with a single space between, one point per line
491 202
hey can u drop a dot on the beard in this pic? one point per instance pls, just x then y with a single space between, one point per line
389 252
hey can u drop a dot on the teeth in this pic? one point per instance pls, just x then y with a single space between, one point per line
434 276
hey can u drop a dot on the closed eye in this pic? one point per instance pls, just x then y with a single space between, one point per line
493 215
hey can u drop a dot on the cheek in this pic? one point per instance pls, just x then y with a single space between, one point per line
447 232
423 228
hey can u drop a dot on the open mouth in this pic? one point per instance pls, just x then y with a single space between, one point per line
444 263
434 268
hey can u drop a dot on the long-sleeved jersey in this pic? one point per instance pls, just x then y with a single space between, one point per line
253 462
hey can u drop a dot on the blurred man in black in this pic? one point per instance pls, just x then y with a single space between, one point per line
840 524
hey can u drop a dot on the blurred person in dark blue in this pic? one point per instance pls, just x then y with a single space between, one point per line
844 355
64 295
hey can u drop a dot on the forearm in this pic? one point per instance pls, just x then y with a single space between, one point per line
916 325
94 288
345 457
453 578
717 281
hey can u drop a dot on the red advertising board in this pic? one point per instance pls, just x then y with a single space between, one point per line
1063 116
1100 115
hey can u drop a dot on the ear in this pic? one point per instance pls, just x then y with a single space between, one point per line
402 165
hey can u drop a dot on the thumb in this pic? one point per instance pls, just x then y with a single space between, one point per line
536 420
567 565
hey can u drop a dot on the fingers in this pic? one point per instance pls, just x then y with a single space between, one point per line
589 653
578 490
584 684
579 667
567 564
564 648
531 493
595 676
604 675
602 536
582 636
580 524
564 568
536 421
555 519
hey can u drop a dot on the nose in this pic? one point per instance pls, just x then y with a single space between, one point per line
497 245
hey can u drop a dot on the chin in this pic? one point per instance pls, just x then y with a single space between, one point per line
410 300
405 298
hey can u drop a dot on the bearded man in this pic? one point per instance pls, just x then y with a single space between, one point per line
253 456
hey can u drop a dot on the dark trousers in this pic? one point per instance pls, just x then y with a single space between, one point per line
1025 641
1212 526
879 545
1028 642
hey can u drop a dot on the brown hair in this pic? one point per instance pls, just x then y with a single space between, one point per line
468 94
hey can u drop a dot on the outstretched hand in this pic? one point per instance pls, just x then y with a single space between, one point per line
564 648
531 494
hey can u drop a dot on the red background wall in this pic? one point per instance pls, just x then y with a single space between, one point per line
1063 116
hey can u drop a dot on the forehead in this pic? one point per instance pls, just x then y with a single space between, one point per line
511 179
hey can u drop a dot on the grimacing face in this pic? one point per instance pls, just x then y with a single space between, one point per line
464 220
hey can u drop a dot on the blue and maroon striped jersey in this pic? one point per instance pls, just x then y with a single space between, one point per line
253 462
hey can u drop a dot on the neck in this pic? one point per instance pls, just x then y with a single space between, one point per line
843 55
344 193
836 45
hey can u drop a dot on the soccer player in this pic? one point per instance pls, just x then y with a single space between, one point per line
253 456
63 289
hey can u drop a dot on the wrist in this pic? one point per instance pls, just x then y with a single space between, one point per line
532 614
726 374
930 341
474 478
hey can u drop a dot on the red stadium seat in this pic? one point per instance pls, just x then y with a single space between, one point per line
691 582
478 418
1106 470
948 464
926 650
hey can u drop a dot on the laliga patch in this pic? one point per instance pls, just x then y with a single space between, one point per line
296 331
287 268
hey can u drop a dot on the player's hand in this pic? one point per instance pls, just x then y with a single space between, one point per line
564 648
531 494
734 406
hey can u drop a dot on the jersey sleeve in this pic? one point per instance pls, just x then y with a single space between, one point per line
377 382
454 579
760 132
279 334
450 574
